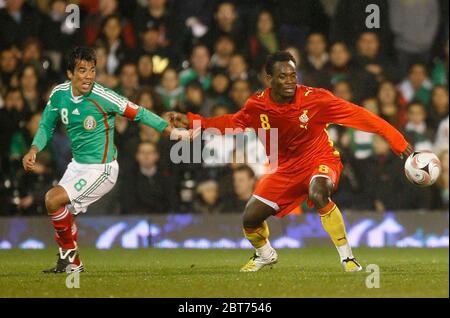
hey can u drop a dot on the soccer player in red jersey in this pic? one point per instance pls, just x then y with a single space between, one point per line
308 165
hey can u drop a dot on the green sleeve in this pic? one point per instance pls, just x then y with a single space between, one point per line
46 126
148 118
118 104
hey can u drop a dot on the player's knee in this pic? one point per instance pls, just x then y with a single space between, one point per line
249 220
255 214
51 202
319 198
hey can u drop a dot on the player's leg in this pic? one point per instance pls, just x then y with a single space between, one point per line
256 231
57 201
320 190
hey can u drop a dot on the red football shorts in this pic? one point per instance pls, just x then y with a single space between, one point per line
284 191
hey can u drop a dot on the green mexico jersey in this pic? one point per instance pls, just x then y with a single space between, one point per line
89 121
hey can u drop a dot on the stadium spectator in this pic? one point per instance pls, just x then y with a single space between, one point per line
207 200
417 85
264 40
95 21
344 28
194 99
156 16
21 140
414 26
29 85
170 90
238 69
104 77
145 189
224 48
128 80
145 71
226 22
369 56
57 35
442 139
343 68
439 105
149 99
111 38
416 130
299 18
19 21
385 191
343 89
361 141
390 107
9 63
199 67
218 94
317 56
244 181
12 117
240 91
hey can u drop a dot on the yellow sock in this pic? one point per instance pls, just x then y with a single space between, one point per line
333 223
257 236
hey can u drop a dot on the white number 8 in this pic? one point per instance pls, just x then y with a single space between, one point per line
64 116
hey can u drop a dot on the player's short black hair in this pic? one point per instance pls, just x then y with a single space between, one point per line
80 53
280 56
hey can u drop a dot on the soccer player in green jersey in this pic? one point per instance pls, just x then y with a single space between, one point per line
87 110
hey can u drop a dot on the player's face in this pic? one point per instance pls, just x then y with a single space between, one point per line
284 79
83 77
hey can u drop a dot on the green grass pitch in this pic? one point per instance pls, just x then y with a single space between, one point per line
306 272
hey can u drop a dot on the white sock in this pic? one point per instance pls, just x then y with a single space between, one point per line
264 251
345 251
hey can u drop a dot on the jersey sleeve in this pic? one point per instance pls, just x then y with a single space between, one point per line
240 120
47 124
338 111
122 106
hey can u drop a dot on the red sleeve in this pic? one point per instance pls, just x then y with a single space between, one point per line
338 111
236 120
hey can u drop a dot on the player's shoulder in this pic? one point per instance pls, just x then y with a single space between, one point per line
308 91
107 94
312 95
60 90
258 98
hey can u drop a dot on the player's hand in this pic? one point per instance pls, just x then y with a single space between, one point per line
181 134
29 159
169 117
177 120
407 152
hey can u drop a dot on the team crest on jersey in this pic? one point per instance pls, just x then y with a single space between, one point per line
304 117
89 123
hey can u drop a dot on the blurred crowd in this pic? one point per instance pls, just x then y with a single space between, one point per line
207 57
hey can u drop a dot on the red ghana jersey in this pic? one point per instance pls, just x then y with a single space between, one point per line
302 137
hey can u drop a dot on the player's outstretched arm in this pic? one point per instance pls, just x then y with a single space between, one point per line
338 111
237 121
